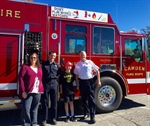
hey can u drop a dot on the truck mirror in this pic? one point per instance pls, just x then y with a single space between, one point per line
62 62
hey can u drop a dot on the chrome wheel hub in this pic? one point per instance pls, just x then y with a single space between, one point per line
107 95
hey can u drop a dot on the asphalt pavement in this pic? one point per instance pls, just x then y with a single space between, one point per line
134 111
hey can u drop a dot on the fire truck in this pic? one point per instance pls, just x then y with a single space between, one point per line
123 57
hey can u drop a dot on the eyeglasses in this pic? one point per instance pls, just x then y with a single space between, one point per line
32 57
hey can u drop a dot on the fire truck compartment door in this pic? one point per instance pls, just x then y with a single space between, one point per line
9 59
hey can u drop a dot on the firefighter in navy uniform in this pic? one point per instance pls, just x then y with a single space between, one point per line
84 73
51 71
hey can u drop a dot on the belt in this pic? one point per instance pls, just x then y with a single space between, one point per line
85 79
49 79
53 78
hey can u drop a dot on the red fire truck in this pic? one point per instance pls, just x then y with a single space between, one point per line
123 57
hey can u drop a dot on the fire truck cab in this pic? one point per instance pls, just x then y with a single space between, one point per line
123 57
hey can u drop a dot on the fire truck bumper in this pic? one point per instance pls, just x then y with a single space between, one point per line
9 100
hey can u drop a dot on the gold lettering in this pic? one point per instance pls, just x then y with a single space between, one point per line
129 74
129 68
143 68
8 13
140 68
136 68
17 14
125 68
2 12
138 74
132 68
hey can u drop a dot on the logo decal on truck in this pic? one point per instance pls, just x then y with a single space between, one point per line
78 14
54 36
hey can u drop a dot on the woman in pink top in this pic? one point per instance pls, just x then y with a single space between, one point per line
31 87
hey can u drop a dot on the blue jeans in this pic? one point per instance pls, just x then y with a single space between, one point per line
29 111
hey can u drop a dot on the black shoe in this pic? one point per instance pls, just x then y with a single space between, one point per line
92 121
86 116
43 123
54 122
67 119
73 119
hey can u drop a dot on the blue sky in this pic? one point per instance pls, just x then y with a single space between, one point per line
127 14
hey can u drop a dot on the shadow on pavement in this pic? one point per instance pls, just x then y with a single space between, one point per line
127 104
61 112
12 117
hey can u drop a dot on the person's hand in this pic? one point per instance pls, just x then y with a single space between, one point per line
61 92
77 87
99 83
24 95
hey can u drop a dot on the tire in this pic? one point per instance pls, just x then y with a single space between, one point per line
108 97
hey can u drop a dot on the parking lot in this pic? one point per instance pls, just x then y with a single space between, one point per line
134 111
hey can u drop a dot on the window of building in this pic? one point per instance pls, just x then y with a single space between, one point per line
103 40
133 47
75 39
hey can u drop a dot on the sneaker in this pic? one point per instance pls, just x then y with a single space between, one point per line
43 123
86 116
67 119
73 119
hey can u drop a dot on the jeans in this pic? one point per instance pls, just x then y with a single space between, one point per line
29 111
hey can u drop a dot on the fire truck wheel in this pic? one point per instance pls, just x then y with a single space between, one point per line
109 96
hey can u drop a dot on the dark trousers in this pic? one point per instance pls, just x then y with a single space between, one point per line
52 91
87 94
29 110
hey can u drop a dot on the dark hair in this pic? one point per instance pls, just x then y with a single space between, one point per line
37 62
51 52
